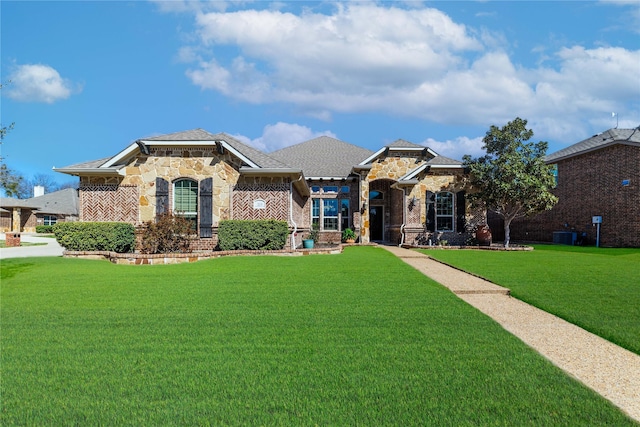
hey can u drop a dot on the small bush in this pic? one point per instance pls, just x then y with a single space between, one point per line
168 234
44 229
252 235
96 236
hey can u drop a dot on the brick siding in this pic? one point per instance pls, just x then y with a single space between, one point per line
588 185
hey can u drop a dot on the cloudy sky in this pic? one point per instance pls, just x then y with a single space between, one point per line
82 80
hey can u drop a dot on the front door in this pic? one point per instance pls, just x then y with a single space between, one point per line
376 223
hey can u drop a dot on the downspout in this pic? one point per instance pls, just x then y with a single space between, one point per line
295 226
404 216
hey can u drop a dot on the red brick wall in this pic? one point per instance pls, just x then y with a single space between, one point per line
588 185
109 203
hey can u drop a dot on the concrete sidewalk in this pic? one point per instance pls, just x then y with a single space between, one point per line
52 248
608 369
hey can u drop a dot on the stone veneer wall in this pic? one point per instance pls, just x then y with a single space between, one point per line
588 185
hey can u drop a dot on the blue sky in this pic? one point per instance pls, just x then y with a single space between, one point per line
88 78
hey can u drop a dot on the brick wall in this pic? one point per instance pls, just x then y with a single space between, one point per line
588 185
109 202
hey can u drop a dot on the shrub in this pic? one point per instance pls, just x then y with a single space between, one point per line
96 236
168 234
44 229
252 235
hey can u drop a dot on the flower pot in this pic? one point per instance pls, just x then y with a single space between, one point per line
307 243
483 235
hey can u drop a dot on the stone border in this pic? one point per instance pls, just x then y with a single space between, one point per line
179 258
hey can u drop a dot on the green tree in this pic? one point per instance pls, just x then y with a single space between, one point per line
512 179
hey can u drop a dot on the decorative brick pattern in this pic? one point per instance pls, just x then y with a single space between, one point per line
274 196
109 203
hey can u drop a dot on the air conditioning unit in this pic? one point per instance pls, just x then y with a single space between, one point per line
565 237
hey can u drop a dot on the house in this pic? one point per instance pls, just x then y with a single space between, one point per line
597 177
402 193
43 209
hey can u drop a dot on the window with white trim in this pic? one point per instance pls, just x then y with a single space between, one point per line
444 211
185 200
50 220
330 214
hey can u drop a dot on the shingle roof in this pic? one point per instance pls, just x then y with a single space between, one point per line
401 143
443 161
322 157
256 156
62 202
91 164
596 142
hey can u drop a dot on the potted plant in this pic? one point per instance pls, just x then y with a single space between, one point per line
312 238
348 236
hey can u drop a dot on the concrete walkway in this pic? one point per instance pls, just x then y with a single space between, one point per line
610 370
52 248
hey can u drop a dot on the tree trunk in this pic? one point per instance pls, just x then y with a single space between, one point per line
507 229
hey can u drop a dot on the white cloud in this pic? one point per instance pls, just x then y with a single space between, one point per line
456 148
38 83
414 62
281 135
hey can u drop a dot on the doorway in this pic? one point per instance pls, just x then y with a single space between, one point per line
376 223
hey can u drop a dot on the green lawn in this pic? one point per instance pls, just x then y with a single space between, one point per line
595 288
353 339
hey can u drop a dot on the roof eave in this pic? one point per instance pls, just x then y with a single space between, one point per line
91 171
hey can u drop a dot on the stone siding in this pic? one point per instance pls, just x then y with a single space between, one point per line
589 185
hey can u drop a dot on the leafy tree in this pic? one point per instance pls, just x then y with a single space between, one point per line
512 178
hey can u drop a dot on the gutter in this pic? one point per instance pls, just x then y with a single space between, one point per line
295 225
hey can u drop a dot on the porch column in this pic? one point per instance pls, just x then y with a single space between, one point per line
365 235
15 220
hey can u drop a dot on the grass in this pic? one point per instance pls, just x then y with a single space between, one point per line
353 339
597 289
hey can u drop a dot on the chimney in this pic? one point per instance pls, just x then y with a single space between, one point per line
38 191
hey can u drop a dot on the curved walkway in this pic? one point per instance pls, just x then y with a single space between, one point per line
610 370
52 248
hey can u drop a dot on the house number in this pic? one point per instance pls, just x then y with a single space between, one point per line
259 204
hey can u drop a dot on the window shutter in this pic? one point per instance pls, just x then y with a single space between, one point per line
431 211
162 196
461 220
206 207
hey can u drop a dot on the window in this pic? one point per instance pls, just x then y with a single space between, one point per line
444 211
376 195
554 172
50 220
315 188
344 214
345 189
440 211
330 189
185 200
330 214
315 213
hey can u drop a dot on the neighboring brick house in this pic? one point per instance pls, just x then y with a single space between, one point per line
599 176
403 193
46 209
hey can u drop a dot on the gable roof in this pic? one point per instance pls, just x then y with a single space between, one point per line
597 142
322 157
399 145
111 166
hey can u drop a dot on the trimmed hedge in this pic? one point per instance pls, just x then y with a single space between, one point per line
44 229
96 236
252 234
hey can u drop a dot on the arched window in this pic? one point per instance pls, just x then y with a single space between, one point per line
185 200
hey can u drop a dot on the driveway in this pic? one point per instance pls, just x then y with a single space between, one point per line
52 248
